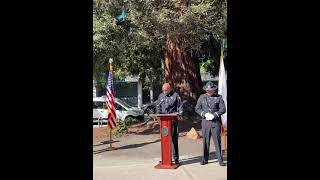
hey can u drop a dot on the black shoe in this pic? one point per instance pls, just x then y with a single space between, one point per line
176 162
222 164
203 162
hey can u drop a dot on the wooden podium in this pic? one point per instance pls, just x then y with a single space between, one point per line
166 134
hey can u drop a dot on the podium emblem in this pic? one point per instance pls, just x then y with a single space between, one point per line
165 131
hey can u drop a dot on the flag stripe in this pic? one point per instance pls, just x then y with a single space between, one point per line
111 102
111 123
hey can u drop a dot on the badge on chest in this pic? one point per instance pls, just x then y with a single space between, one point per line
212 102
213 99
169 100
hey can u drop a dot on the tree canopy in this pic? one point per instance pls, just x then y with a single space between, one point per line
137 44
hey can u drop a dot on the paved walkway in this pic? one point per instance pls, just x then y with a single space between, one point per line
136 156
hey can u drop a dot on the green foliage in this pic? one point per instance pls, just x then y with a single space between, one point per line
138 44
121 128
210 65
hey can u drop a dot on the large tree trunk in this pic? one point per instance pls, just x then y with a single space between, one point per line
182 71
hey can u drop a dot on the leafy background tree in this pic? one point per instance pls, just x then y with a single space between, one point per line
160 40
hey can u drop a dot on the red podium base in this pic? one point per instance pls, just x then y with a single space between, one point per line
162 166
165 136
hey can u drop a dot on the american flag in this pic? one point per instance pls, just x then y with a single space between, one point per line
111 102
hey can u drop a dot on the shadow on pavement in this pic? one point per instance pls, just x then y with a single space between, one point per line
127 146
197 159
104 142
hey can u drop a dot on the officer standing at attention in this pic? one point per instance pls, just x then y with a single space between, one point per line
170 102
210 107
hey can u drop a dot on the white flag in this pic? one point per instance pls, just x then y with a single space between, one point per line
222 89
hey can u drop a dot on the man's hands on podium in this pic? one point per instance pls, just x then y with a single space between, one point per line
179 118
156 119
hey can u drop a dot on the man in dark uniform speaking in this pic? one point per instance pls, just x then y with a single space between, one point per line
210 107
169 102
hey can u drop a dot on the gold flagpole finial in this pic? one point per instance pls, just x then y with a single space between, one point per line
110 61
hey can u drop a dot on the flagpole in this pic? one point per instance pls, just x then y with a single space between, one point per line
110 129
110 148
110 137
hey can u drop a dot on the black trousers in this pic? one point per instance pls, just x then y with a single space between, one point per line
174 141
215 132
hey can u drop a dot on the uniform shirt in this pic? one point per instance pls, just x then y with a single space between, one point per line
211 104
170 103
